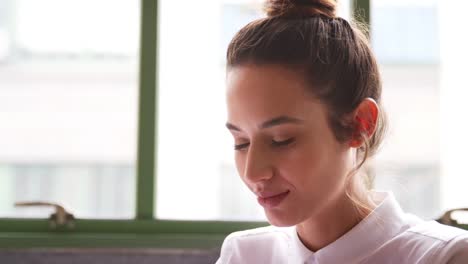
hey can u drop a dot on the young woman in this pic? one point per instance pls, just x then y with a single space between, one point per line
303 98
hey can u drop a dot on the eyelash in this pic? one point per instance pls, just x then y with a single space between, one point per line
282 143
274 143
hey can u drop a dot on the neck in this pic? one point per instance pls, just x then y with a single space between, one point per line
330 224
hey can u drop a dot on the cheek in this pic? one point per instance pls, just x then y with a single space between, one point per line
303 165
240 162
298 169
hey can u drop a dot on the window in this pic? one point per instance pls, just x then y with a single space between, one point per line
421 158
90 133
409 163
68 105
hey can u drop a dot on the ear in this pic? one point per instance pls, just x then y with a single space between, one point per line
364 121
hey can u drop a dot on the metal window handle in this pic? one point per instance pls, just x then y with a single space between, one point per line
61 217
447 219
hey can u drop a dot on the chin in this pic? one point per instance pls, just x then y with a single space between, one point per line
280 219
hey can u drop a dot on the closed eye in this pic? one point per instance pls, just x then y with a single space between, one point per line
282 143
273 142
241 146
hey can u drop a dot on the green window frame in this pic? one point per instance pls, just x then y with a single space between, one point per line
144 230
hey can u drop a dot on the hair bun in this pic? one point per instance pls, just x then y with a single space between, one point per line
300 8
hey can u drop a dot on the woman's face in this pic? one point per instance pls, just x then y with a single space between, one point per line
285 151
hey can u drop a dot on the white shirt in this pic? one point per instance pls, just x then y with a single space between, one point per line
386 235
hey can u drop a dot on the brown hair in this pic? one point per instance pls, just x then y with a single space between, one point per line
334 57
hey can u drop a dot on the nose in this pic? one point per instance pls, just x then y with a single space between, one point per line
257 165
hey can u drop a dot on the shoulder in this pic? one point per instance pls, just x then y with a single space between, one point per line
434 231
254 243
454 250
447 244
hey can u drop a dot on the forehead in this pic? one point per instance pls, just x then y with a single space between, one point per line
271 81
256 94
261 92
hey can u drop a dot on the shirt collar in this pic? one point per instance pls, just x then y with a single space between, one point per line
382 224
300 253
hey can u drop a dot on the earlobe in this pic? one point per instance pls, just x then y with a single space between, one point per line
355 143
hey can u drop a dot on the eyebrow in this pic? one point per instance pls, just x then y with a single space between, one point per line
280 120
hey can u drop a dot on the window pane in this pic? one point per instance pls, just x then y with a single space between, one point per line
406 41
453 95
68 106
196 174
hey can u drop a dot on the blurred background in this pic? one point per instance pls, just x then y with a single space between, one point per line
69 101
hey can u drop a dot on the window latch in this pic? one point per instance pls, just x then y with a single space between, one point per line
447 218
60 218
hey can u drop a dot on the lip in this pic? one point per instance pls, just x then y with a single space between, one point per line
271 201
